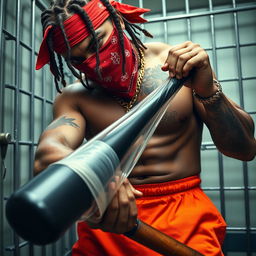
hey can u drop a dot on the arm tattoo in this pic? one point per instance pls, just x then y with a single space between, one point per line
227 127
153 78
62 121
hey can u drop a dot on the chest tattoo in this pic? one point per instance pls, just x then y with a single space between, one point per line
153 78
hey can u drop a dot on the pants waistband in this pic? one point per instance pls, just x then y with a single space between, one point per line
170 187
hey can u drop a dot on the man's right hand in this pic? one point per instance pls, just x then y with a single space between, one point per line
121 214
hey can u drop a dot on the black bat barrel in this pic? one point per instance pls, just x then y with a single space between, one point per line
44 208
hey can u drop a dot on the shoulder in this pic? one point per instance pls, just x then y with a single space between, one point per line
70 96
70 91
76 98
157 49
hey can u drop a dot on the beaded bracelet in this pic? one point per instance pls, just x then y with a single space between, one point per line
211 99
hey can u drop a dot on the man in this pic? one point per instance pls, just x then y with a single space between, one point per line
164 187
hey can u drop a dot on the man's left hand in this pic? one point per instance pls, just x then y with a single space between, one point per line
189 58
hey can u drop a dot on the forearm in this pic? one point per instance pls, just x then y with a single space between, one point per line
47 154
231 128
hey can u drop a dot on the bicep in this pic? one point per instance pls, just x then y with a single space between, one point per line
68 129
68 125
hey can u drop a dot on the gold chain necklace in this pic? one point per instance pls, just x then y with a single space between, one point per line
128 105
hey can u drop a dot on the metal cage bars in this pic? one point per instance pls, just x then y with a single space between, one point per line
205 146
209 145
16 142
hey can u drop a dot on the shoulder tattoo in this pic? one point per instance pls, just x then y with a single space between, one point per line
62 121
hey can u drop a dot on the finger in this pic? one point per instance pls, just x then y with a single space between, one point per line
182 45
109 218
174 59
173 56
123 214
200 60
167 66
116 181
113 187
182 60
133 211
136 192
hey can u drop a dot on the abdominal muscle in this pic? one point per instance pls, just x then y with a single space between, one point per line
169 157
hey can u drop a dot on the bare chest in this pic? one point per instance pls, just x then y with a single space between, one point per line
104 110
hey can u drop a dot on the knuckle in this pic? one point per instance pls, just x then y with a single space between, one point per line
206 56
182 58
124 203
171 51
185 69
205 63
114 207
126 182
131 198
175 54
188 65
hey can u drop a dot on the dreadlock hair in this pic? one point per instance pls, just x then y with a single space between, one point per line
59 11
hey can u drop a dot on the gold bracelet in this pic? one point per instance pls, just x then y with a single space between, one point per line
211 99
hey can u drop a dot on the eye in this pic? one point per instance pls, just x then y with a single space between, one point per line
77 60
92 48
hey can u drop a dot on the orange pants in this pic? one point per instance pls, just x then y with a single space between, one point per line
178 208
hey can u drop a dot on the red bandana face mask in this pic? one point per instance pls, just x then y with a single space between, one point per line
110 54
113 79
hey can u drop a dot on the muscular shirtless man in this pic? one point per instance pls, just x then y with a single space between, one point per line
164 187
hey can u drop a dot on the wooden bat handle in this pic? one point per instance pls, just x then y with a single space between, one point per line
160 242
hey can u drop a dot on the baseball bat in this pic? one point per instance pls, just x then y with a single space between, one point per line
44 208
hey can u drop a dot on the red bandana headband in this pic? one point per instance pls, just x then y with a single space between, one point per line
77 31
